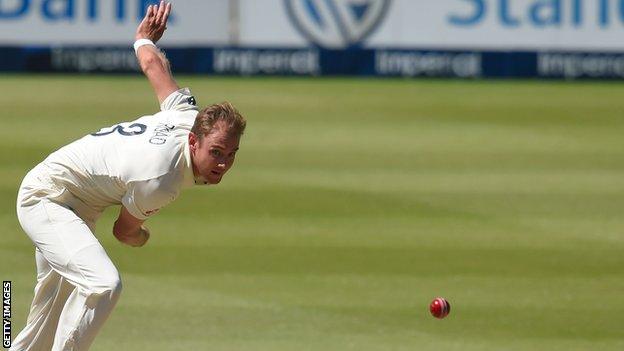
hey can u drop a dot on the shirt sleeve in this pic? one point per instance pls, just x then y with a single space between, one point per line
144 198
179 100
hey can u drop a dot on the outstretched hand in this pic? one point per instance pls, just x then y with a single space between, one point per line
154 23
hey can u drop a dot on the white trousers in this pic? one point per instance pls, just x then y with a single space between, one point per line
77 284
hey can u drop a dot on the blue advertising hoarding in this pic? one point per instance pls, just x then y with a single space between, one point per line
388 38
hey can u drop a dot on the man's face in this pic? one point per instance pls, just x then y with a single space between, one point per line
214 154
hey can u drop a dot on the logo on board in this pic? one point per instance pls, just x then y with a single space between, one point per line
336 23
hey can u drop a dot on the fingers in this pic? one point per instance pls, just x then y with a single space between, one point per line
161 8
148 15
166 14
157 12
155 21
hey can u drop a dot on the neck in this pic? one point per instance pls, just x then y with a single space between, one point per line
195 171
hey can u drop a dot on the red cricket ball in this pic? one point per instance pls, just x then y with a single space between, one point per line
439 307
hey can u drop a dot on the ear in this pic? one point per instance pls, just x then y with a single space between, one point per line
193 141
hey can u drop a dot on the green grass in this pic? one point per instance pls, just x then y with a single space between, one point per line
352 204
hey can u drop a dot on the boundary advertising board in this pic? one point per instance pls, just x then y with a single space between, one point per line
408 38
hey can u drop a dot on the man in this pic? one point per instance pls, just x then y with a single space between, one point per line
141 165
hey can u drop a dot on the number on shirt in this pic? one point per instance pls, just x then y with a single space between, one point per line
133 129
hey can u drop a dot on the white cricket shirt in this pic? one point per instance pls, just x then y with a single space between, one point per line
141 164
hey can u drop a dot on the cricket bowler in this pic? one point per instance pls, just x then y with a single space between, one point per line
141 165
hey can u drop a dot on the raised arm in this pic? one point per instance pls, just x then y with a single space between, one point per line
153 62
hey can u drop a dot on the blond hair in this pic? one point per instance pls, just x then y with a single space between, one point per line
209 116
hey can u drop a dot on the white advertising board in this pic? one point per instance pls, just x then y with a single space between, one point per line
108 22
587 25
584 25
